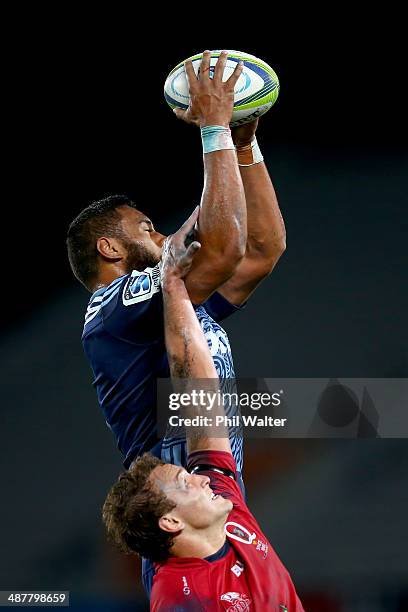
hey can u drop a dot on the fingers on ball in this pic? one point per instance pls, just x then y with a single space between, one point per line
220 65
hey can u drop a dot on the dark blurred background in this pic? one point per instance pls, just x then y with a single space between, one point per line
88 119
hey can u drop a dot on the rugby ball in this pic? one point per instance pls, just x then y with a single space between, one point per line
255 91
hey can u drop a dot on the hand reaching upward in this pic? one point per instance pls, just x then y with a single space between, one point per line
211 99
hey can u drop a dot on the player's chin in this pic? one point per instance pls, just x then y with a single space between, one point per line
228 504
222 504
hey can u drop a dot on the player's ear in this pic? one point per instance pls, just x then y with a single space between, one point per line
171 523
110 248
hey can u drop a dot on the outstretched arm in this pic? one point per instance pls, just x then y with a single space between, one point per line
266 239
222 224
188 353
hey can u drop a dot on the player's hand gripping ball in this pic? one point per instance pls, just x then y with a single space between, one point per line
255 92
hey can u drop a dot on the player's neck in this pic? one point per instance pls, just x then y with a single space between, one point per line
108 275
199 543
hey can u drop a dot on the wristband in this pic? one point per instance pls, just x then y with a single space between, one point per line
216 138
250 154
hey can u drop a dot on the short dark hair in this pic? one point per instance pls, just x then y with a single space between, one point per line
98 219
132 510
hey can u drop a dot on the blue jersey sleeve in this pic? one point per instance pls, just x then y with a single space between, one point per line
219 308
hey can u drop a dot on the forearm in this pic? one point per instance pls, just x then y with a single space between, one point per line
266 228
222 225
266 236
190 360
266 239
187 349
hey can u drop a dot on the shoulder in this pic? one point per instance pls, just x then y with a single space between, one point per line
176 590
102 297
128 301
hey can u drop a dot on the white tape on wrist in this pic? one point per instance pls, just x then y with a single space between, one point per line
216 138
250 154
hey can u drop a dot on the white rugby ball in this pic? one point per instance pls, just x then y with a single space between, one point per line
255 91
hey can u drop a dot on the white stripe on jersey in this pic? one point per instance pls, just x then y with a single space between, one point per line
112 286
92 311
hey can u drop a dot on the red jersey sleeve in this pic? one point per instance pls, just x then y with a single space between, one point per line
211 463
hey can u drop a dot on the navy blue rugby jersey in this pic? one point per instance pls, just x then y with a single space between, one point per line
123 339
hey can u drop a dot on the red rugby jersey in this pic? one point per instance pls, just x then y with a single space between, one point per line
249 578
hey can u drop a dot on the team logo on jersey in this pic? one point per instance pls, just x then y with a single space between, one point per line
235 602
141 285
235 531
239 533
237 569
262 547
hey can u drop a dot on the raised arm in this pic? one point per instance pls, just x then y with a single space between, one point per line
188 353
221 227
266 239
